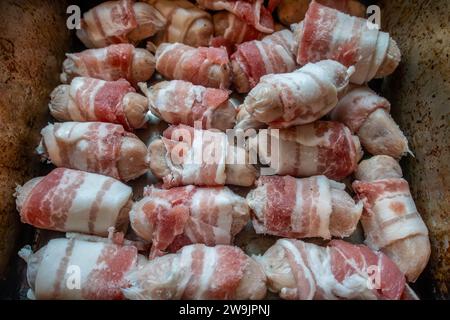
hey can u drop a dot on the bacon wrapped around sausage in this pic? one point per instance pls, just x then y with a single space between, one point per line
179 216
252 12
89 99
297 270
299 97
181 102
327 33
122 21
229 30
320 148
68 269
111 63
75 201
390 218
303 208
208 67
367 116
198 272
185 156
254 59
293 11
186 23
96 147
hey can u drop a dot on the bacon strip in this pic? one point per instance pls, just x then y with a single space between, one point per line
390 212
390 219
299 208
110 63
97 100
199 158
251 11
367 115
181 102
110 22
209 67
299 97
329 34
320 148
356 106
339 271
88 146
180 216
122 21
236 31
99 268
186 23
195 272
273 54
73 201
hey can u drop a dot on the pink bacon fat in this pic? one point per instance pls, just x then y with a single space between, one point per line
179 216
186 23
193 156
320 148
120 21
89 99
74 201
209 67
101 268
303 208
327 33
299 97
252 12
181 102
390 219
297 270
185 156
96 147
367 115
254 59
198 272
111 63
230 30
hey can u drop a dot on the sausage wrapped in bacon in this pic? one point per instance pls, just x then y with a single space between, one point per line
367 115
79 270
95 147
121 21
186 23
229 30
329 34
110 63
176 217
297 270
251 11
181 102
320 148
89 99
198 272
209 67
299 97
75 201
303 208
293 11
185 155
390 218
254 59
